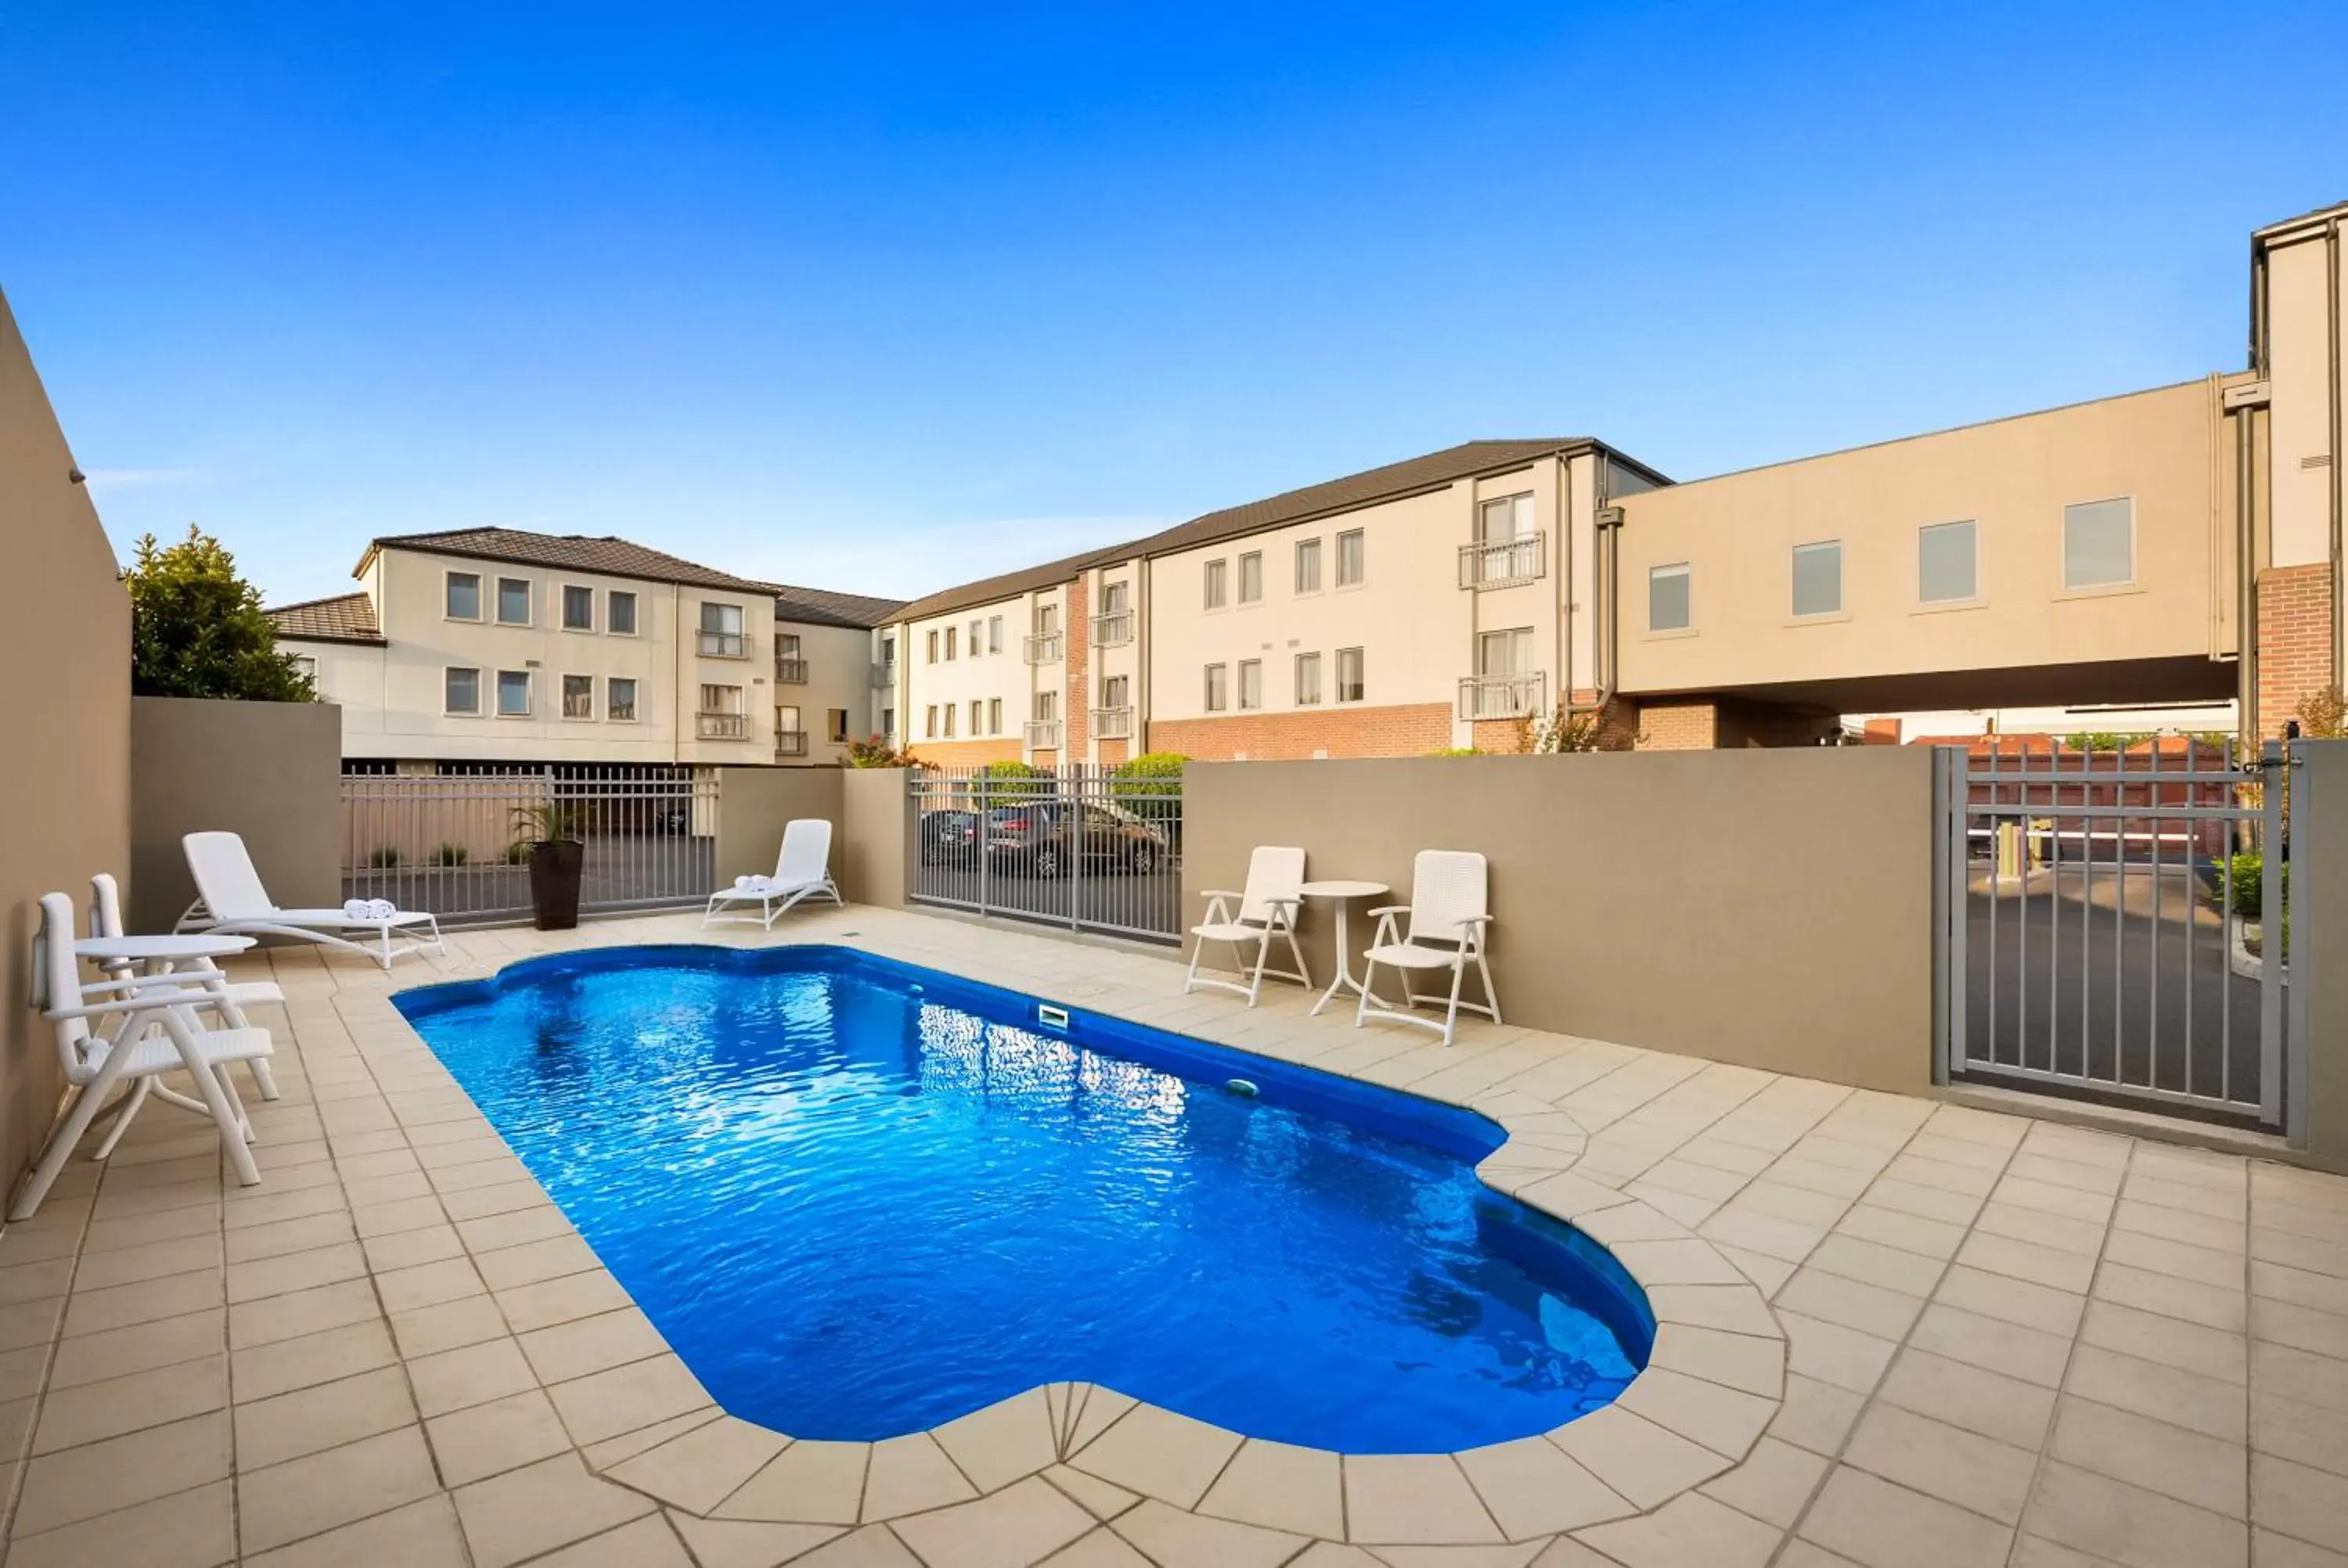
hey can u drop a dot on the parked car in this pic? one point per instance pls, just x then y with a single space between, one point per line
1047 838
949 837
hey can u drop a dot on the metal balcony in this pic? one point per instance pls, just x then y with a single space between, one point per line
884 677
722 644
1044 735
790 743
722 726
1042 648
1503 696
790 672
1113 630
1504 564
1113 724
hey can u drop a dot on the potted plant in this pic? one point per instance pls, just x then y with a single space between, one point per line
551 832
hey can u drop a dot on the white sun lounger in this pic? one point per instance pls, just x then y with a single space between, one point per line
1267 908
802 869
231 902
1449 907
132 1052
230 999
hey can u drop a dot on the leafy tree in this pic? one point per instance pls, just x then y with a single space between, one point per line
1009 780
2323 714
197 629
1150 786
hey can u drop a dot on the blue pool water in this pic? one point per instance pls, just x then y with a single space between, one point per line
861 1199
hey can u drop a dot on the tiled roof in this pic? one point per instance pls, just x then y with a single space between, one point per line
345 618
821 607
1014 582
605 554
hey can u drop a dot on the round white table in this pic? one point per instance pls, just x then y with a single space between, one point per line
163 948
1342 894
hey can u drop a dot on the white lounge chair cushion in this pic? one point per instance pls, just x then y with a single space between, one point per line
156 1053
1403 956
336 917
1231 931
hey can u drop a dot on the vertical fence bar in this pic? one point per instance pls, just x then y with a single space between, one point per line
2273 873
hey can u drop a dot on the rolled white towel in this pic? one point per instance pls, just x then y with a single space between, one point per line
746 883
357 909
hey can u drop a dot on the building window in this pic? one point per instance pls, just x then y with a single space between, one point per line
461 691
464 596
1308 566
721 632
994 715
306 666
1114 689
995 634
929 717
620 613
1505 521
1669 608
977 715
1047 707
930 646
1216 570
1217 699
721 699
579 696
1116 598
1817 577
1250 683
1947 572
1047 619
786 645
1350 562
1308 679
513 601
977 638
889 725
1350 684
578 608
949 720
1507 652
950 648
836 722
1251 578
620 699
513 693
2099 543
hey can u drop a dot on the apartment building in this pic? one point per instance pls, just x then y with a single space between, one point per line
500 646
2178 546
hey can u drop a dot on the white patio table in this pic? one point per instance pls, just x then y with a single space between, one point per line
1342 894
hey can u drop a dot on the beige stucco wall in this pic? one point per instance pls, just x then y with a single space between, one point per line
2300 414
271 772
65 776
879 857
988 676
2319 939
2013 478
839 677
754 802
1770 908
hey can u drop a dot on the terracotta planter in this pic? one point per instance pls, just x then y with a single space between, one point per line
554 872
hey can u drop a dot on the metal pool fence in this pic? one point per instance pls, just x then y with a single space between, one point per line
1084 847
456 842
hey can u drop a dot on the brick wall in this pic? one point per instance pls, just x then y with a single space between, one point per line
2294 639
1112 753
968 753
1677 724
1404 730
1502 736
1077 723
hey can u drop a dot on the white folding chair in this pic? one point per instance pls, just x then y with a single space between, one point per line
235 996
231 902
802 869
1267 908
95 1064
1450 908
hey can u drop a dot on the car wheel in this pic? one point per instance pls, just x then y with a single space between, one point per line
1046 862
1142 862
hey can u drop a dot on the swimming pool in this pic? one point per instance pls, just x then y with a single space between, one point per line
861 1199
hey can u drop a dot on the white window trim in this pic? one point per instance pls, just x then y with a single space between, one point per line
1206 689
562 611
1321 567
2135 580
476 711
635 701
530 592
529 695
636 612
481 608
1686 569
1207 576
560 681
1240 702
1238 578
1296 685
1337 670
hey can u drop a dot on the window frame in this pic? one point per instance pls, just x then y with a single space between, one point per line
611 700
612 596
1361 558
1217 691
1484 513
563 702
930 646
528 599
1250 559
529 695
994 715
1955 602
929 722
1685 570
1361 675
1794 582
448 576
1251 671
1303 661
2063 545
995 634
1307 549
835 720
454 712
1217 579
563 613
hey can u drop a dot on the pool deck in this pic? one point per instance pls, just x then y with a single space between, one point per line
1895 1332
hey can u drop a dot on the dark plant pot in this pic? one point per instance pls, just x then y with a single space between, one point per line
554 872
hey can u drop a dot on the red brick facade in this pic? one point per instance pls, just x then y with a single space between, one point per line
1404 730
966 753
1077 723
2294 639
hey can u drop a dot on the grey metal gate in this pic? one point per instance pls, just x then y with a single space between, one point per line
2109 924
448 842
1084 847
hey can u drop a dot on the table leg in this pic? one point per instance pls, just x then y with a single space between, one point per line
1344 971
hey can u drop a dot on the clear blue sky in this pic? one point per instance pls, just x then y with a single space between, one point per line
882 297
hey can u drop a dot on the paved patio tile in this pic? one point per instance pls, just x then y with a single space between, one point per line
327 1415
1690 1529
1003 1442
1280 1487
1413 1498
1881 1525
1022 1523
533 1510
1159 1454
497 1436
1944 1462
1774 1484
2127 1525
194 1529
285 1502
1534 1488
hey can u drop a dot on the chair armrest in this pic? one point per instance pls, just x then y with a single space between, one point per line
151 1001
1385 909
1219 893
1475 919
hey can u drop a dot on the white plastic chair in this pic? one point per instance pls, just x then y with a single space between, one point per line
231 902
1450 908
95 1064
802 869
1267 908
235 996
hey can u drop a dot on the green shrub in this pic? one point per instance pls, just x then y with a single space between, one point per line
2250 878
518 852
384 858
874 751
452 855
1009 781
1456 751
1150 786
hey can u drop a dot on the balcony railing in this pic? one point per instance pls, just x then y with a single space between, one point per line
1113 629
1044 735
790 671
723 645
1505 563
1113 724
1502 696
1042 648
722 726
884 677
790 743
